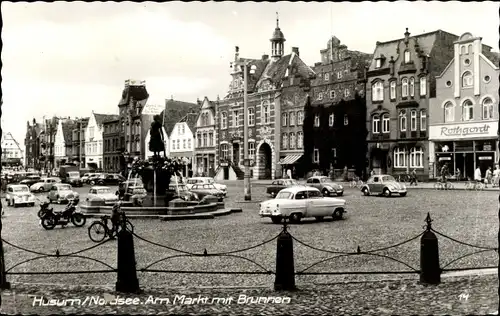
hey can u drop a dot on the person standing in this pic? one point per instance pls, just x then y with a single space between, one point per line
413 177
444 173
488 177
477 175
496 176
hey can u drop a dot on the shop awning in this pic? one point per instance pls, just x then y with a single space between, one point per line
289 160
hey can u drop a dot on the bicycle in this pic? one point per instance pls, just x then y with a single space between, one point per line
474 185
100 229
439 185
404 178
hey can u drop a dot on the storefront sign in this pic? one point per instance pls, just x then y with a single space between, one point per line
444 158
485 158
463 131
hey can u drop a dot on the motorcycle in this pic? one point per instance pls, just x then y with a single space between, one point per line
70 214
44 207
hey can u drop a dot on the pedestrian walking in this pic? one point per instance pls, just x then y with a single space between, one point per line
477 175
413 177
488 177
458 175
444 173
496 177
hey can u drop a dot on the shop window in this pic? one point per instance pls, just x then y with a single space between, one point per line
399 158
449 112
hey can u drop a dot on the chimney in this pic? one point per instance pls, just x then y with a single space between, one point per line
295 50
265 57
407 35
236 53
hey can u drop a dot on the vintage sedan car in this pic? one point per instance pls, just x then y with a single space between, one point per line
278 185
325 185
383 184
62 192
136 194
299 202
44 185
103 194
18 194
202 190
109 179
30 180
206 180
180 191
86 176
92 179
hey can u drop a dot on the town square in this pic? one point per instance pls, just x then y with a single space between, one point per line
249 170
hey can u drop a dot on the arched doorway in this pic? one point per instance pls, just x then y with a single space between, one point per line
265 161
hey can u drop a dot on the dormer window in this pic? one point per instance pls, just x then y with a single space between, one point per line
378 63
327 77
407 56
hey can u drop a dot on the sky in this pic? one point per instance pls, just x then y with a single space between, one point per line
69 58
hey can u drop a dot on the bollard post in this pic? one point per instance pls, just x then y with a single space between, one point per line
127 281
430 271
285 270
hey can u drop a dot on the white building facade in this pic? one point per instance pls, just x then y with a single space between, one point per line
205 149
182 140
93 143
11 151
59 144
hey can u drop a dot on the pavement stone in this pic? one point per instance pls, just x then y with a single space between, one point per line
390 297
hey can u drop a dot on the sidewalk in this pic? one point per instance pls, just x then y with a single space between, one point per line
476 295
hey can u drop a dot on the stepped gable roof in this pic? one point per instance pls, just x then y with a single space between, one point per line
175 111
102 118
139 93
190 119
67 128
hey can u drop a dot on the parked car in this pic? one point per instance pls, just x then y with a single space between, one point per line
383 184
62 192
30 180
18 194
279 185
180 191
299 202
202 190
92 179
137 194
109 179
325 185
206 180
86 176
44 185
130 183
102 193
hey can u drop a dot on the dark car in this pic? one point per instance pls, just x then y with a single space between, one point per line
325 185
202 190
30 180
92 179
109 179
127 184
279 185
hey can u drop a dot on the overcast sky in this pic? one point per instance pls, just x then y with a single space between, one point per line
69 58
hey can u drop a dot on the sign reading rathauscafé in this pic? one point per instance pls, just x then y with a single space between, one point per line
463 131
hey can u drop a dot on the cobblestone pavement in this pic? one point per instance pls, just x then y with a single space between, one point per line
454 296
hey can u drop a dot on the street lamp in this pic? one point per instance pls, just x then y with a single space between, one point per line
246 161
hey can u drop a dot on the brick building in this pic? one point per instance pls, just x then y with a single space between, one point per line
32 143
78 139
337 109
400 82
113 144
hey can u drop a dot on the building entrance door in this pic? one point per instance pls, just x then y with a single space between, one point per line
465 162
236 153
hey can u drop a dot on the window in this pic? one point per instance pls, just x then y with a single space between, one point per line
467 79
413 120
183 129
204 139
224 148
284 119
173 144
407 56
339 75
346 119
184 144
178 144
300 117
251 117
376 124
416 157
467 62
423 120
266 112
347 93
468 110
399 158
404 87
448 83
378 63
462 49
316 156
331 119
393 90
320 96
284 142
251 149
235 119
316 120
402 121
449 112
211 139
91 132
292 118
189 143
385 123
487 109
487 79
327 76
332 94
300 140
378 91
292 141
223 120
412 87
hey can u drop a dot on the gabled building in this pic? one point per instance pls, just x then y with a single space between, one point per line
113 144
12 153
463 117
265 95
78 139
182 140
94 140
337 109
63 142
400 83
205 148
32 143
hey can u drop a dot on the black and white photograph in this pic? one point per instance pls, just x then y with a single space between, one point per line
250 158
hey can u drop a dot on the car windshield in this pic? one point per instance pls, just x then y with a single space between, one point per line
290 182
21 189
388 178
325 180
181 187
65 187
104 191
284 195
314 194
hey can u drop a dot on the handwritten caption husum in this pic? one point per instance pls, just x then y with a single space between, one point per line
153 300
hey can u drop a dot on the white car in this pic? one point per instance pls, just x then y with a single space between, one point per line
18 194
102 193
44 185
206 180
300 202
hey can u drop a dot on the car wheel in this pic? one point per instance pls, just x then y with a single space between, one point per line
276 219
387 193
402 194
92 182
365 192
337 214
295 217
325 192
319 218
